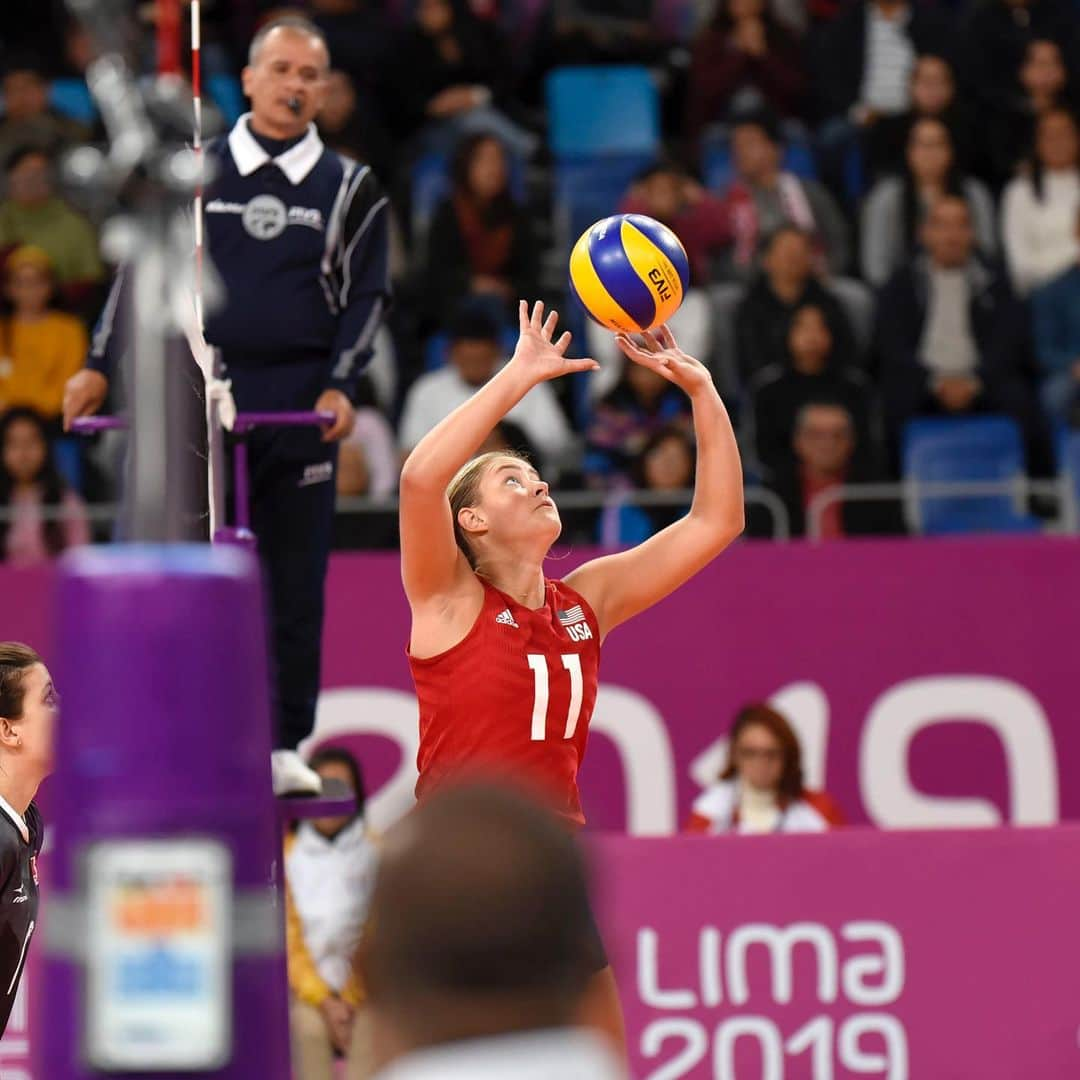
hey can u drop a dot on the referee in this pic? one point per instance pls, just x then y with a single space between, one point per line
299 237
28 707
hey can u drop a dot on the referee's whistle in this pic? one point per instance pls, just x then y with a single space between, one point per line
294 105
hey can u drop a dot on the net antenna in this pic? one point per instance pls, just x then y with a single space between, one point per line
154 169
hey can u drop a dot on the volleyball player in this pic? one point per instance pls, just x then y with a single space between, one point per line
504 659
28 707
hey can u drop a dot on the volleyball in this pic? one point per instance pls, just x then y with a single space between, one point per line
629 272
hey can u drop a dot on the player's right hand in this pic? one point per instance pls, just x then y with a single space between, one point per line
537 358
84 394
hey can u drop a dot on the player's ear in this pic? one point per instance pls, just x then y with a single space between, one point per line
9 737
472 520
246 76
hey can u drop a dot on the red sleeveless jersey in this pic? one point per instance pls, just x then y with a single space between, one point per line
514 697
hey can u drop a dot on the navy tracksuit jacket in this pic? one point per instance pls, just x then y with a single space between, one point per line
300 240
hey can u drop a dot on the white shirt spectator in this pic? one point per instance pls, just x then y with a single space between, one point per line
1040 234
729 806
373 434
568 1054
437 394
890 56
330 882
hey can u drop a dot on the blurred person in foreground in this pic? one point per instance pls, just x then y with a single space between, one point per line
761 789
330 866
478 962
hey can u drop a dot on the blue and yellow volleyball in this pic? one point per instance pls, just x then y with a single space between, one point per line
629 272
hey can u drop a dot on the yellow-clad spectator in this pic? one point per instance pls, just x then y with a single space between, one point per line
40 348
330 873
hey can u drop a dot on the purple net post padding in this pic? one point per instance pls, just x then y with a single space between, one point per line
160 653
91 425
246 421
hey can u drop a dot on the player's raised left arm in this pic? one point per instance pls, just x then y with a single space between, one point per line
619 586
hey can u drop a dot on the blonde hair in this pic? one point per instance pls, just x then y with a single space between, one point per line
464 490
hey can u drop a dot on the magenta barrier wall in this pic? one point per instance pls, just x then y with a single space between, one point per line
932 684
900 955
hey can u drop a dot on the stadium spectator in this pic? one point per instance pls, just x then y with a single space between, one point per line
761 788
34 214
1056 310
786 283
1005 138
762 197
358 34
28 120
482 242
1038 210
625 419
933 96
450 78
996 39
40 348
476 353
825 455
330 866
480 965
893 212
666 464
352 125
599 32
778 392
30 488
953 338
742 54
863 76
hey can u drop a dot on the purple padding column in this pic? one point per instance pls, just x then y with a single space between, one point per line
165 735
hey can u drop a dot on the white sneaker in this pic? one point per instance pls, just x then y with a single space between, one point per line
291 776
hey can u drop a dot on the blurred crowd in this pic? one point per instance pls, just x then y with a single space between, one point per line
880 201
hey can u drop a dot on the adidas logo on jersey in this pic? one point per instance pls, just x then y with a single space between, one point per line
506 619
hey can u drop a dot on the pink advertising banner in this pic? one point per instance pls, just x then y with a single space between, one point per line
931 684
944 956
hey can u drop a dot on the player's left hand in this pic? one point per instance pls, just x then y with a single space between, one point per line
660 353
344 414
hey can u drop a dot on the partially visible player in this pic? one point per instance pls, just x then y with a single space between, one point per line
28 709
505 660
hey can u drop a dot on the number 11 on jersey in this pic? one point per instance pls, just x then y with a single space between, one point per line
538 663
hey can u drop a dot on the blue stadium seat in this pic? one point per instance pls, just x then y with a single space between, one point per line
228 96
955 450
68 458
72 97
718 170
602 110
604 130
1069 468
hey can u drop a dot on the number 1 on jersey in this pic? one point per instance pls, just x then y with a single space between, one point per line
538 664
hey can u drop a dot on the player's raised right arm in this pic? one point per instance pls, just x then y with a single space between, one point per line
432 565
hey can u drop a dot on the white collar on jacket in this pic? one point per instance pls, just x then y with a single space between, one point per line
557 1054
295 163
